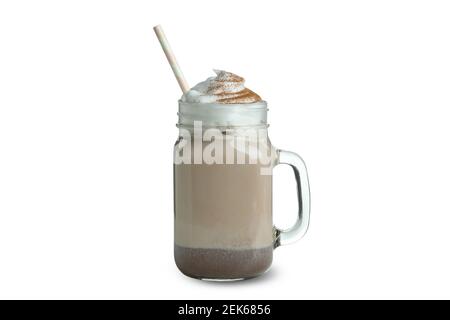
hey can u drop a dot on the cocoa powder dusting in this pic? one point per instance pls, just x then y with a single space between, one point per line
226 88
229 89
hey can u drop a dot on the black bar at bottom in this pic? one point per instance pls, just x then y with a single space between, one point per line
219 309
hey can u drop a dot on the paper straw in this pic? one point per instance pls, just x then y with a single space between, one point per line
171 58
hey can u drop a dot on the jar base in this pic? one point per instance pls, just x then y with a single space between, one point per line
223 264
224 280
221 280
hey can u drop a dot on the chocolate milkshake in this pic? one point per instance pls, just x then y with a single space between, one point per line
223 162
223 208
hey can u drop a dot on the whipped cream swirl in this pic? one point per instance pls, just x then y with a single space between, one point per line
226 88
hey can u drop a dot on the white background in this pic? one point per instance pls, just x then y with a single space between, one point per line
87 123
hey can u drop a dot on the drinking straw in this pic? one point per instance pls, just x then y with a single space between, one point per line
171 58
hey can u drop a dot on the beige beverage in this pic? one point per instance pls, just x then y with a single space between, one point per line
223 162
223 219
223 202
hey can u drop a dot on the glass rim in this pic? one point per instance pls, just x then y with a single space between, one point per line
258 105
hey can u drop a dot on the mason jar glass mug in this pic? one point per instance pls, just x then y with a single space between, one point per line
223 164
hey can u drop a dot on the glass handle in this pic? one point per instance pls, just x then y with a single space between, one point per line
298 230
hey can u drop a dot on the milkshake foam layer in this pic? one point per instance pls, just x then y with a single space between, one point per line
225 87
